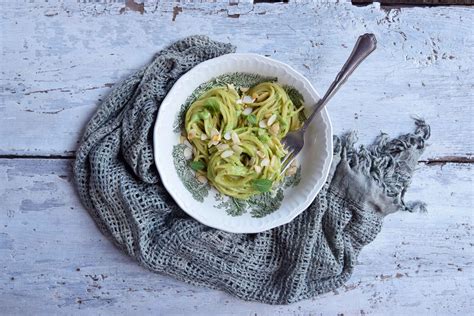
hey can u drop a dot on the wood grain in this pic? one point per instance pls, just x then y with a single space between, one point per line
60 58
55 261
59 61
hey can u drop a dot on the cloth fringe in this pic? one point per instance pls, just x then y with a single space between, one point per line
390 163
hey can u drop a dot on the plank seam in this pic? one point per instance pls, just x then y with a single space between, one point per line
47 157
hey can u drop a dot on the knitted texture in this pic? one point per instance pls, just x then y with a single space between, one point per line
118 183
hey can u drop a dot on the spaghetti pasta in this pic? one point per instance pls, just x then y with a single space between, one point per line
236 135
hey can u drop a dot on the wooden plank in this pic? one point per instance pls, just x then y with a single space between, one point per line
414 2
54 260
59 59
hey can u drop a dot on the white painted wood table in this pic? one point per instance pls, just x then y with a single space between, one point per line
60 58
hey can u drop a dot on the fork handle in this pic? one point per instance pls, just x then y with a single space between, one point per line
365 45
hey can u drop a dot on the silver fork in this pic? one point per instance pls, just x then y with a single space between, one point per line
294 141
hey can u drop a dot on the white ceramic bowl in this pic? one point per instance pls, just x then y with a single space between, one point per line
315 158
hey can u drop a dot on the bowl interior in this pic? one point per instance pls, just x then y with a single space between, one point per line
315 158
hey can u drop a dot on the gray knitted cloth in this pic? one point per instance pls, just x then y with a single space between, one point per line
315 253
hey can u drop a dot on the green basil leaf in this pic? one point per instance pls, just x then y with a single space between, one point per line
197 165
264 138
212 105
204 115
262 185
252 119
194 118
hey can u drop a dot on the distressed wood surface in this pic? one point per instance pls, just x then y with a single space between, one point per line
60 58
54 260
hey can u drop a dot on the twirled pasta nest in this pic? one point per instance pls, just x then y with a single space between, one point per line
236 135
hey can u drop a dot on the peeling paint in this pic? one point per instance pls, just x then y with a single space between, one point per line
58 74
105 85
50 14
449 159
28 205
176 10
42 186
133 6
61 257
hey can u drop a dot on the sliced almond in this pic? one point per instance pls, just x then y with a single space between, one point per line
227 136
202 179
188 153
244 89
191 134
231 86
258 169
237 149
215 136
222 147
214 132
187 143
271 120
247 111
293 163
227 154
260 154
235 138
265 162
262 124
182 139
203 136
247 99
275 128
